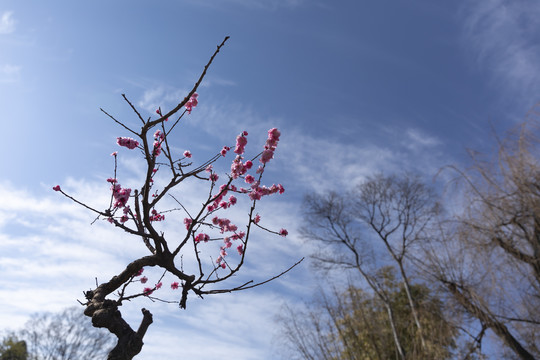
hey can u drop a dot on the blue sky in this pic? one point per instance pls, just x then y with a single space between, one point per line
355 87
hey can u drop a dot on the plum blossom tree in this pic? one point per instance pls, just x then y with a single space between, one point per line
139 212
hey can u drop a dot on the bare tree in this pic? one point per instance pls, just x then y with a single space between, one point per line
398 210
139 214
392 211
332 226
489 259
64 335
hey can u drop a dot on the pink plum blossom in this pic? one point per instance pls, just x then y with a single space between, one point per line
283 232
174 285
56 188
266 156
121 196
241 142
147 291
202 237
187 153
127 142
157 148
156 216
192 102
257 219
239 235
224 151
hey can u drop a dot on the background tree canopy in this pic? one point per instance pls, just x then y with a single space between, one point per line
461 274
65 335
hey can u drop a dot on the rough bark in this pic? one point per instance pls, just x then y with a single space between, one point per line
105 314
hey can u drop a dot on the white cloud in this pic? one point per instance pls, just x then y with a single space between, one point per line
326 163
7 23
504 37
161 95
417 139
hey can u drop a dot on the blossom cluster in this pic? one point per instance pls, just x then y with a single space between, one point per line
224 224
120 195
192 102
224 151
159 137
156 216
127 142
257 192
238 168
270 146
124 217
218 201
202 237
241 142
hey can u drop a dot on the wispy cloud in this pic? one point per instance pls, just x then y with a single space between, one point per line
309 162
9 73
161 95
7 23
49 254
217 81
504 38
416 139
324 163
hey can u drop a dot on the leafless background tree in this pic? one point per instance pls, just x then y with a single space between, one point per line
488 258
374 231
64 335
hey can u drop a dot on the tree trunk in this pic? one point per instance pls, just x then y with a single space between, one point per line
490 322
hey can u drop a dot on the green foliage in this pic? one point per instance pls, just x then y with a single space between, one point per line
12 348
363 328
354 325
